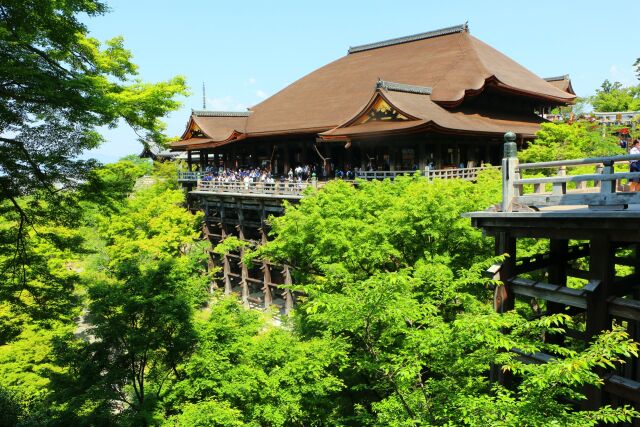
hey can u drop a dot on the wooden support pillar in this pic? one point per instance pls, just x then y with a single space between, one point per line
226 269
263 224
223 226
244 283
202 161
504 298
601 268
211 264
240 226
189 161
266 284
557 273
288 296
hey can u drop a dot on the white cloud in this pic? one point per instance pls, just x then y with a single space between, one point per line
624 75
252 80
225 103
261 94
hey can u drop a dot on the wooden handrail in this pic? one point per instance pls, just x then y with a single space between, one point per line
579 162
604 192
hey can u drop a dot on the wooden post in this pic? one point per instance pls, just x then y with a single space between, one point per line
599 169
557 273
608 187
226 268
266 284
244 283
288 297
560 188
509 167
504 299
202 161
602 269
189 161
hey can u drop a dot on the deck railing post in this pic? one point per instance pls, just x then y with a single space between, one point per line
509 167
599 169
608 186
560 188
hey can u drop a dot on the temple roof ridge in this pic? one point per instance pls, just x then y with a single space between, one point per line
556 78
402 87
411 38
208 113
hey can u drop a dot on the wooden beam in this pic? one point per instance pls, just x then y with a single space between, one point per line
624 308
550 292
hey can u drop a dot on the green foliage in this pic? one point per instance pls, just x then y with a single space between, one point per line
267 374
58 87
209 413
615 97
142 294
38 277
230 244
561 141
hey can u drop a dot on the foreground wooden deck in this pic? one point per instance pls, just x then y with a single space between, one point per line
592 268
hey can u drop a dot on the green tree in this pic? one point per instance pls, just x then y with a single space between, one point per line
251 371
57 86
392 271
615 97
561 141
142 288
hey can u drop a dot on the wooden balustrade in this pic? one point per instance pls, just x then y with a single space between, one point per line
287 189
190 176
601 189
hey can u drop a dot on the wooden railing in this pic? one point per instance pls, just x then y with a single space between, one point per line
598 190
383 174
190 176
296 188
289 189
469 174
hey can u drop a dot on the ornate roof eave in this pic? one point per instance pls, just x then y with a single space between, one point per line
495 82
185 146
429 125
378 93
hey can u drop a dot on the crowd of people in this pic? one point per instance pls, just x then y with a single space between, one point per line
300 173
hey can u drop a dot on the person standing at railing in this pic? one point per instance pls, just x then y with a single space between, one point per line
634 166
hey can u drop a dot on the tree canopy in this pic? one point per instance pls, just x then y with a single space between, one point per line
58 85
616 97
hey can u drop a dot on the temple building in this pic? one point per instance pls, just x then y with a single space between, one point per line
440 99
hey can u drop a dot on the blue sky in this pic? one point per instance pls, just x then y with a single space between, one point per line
247 50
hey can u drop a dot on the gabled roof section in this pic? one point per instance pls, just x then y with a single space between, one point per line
423 114
412 38
212 128
561 82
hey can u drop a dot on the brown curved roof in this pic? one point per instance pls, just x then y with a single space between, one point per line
451 64
561 82
425 113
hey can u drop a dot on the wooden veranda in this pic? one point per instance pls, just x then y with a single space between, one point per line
593 230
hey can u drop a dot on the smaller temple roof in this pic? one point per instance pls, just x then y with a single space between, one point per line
209 129
561 82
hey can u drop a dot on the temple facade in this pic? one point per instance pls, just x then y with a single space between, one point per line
440 99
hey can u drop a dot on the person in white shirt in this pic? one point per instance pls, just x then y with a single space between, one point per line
634 166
